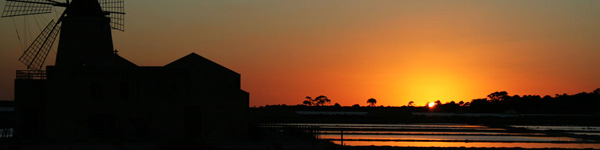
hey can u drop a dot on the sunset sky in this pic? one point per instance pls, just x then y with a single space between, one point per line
351 50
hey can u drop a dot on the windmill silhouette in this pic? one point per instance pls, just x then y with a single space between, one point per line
85 26
100 96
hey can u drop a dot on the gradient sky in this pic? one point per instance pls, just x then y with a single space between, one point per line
351 50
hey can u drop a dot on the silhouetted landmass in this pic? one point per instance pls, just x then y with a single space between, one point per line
498 108
502 102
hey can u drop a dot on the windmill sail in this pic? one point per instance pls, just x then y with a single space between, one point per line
35 56
26 7
117 12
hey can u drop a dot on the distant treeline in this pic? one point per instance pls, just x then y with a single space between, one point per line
497 102
502 102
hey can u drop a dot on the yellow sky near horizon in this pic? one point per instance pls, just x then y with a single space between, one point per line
395 51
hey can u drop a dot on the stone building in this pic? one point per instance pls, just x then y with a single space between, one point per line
92 93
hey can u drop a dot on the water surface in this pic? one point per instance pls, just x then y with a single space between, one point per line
454 135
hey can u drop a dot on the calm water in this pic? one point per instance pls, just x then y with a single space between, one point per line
454 135
563 128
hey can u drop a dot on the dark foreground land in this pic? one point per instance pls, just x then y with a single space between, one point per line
275 139
261 139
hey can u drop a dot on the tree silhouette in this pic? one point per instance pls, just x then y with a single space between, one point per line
498 96
337 105
321 100
372 102
307 103
438 103
355 106
411 104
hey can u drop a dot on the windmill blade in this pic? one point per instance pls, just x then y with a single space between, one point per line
35 56
116 10
27 7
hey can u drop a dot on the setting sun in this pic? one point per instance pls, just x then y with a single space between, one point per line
430 104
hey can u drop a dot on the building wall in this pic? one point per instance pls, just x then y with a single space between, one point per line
144 103
30 105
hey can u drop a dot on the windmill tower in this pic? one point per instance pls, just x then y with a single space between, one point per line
85 38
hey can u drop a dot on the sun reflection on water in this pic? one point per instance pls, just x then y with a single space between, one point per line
474 144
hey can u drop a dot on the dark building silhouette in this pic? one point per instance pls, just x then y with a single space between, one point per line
93 93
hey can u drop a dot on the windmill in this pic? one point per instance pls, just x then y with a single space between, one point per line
35 55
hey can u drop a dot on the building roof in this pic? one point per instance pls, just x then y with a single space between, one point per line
195 61
120 61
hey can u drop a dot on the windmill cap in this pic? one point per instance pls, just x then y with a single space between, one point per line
85 8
